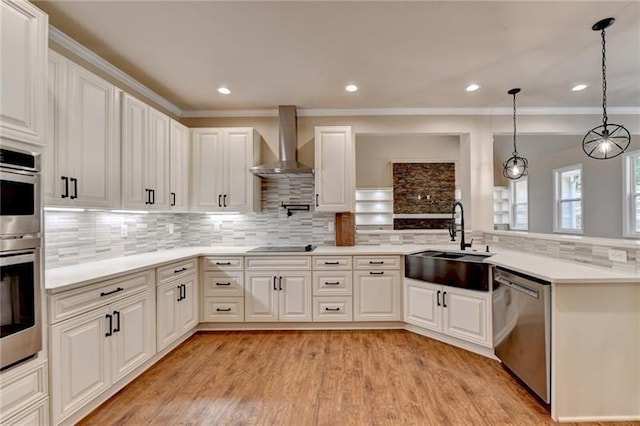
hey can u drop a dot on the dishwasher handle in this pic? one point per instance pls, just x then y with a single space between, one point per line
518 287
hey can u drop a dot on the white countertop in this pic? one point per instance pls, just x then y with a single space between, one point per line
547 268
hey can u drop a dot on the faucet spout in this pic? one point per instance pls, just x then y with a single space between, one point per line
452 228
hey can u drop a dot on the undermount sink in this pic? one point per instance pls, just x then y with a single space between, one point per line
463 270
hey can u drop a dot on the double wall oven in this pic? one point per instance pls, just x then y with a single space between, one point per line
20 243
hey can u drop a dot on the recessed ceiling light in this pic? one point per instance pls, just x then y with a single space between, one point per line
223 90
351 88
579 87
472 87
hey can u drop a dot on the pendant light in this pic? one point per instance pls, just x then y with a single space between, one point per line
607 140
515 167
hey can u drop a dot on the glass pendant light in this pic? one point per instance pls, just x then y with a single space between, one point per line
515 167
607 140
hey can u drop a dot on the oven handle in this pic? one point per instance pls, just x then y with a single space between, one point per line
18 176
18 258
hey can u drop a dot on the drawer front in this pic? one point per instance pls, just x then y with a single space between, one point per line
278 263
227 263
223 309
377 262
225 284
20 391
176 270
332 283
74 302
332 308
35 416
331 263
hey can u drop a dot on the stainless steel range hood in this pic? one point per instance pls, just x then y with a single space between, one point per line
287 164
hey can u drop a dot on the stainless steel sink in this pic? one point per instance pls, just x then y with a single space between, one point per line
464 270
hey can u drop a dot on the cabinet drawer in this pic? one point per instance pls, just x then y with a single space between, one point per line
278 263
224 284
175 270
35 415
376 262
20 390
327 308
331 263
332 283
223 309
74 302
228 263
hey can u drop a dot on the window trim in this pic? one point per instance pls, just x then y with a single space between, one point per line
512 207
557 202
628 211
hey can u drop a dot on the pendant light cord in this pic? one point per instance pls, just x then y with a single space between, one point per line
604 80
515 150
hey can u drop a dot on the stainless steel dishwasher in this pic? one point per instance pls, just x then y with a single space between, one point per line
522 328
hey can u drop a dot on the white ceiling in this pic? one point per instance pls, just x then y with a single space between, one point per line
418 54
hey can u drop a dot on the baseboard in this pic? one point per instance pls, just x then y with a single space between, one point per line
472 347
257 326
591 419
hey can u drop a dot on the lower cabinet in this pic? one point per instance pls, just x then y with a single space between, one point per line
449 310
377 295
23 393
36 415
278 296
177 309
93 350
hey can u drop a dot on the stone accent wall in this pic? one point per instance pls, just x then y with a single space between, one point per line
420 188
421 223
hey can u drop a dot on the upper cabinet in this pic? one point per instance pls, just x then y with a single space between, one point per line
221 178
334 169
82 153
179 167
23 71
145 156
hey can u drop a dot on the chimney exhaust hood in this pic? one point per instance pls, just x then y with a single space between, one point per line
287 164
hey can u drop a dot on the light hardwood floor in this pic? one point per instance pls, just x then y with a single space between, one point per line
385 377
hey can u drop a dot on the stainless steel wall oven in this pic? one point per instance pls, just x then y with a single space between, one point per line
20 242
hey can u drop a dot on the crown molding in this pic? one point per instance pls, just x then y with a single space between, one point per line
359 112
84 53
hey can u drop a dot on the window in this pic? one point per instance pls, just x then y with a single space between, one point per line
520 204
631 207
568 199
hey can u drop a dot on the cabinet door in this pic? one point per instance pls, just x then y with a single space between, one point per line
80 368
261 296
23 71
237 194
466 315
167 314
334 166
158 159
56 153
207 170
422 304
294 294
376 296
135 118
134 333
179 167
188 306
94 155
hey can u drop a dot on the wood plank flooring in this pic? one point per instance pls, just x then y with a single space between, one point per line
383 377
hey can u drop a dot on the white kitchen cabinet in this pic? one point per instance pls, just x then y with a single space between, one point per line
82 154
377 288
97 346
278 296
36 415
179 167
23 71
334 169
222 158
177 309
22 390
222 289
456 312
145 156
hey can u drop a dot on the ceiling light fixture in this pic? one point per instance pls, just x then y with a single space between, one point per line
351 88
472 87
224 90
579 87
607 140
515 167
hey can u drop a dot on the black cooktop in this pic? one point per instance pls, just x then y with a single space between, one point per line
282 249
